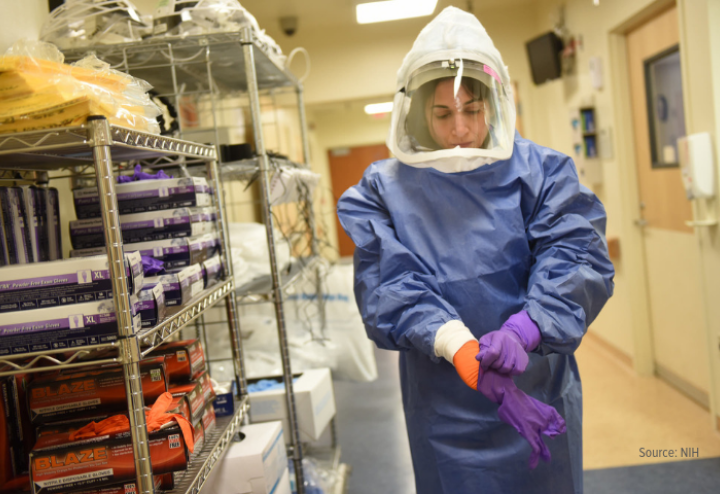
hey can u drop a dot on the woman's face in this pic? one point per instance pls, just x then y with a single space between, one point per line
456 121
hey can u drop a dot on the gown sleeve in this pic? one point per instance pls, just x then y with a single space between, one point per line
572 276
398 296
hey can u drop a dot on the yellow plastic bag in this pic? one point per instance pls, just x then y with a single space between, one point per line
38 91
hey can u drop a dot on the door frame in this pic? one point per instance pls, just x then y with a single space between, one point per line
634 250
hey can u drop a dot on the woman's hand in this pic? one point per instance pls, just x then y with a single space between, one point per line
505 350
529 417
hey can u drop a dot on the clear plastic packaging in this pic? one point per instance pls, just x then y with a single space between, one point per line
80 23
38 91
319 479
195 18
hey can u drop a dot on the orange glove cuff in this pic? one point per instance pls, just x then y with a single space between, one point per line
466 365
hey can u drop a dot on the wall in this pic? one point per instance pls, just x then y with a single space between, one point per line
554 100
700 97
20 19
704 46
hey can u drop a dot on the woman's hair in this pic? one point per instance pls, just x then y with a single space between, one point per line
416 124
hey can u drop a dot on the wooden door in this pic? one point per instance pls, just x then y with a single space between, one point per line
347 166
672 258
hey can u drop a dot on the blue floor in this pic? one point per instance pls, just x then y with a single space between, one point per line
371 432
371 429
680 477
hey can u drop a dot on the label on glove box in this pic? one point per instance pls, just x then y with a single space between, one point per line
67 406
71 479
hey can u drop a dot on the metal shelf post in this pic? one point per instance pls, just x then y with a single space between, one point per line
101 140
253 92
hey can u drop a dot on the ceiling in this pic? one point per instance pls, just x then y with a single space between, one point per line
313 14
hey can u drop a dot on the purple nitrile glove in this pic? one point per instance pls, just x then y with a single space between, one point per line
530 417
152 266
505 350
141 175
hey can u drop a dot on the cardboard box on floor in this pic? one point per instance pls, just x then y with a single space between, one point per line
314 403
255 465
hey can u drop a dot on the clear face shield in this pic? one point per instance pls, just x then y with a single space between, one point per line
453 108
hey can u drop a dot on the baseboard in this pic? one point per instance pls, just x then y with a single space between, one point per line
610 348
697 395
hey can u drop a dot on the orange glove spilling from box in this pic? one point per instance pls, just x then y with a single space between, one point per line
156 417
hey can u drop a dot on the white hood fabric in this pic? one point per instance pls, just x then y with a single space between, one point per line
453 34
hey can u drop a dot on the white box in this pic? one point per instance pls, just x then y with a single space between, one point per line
314 404
256 465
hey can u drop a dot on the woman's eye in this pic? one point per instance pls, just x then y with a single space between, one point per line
474 109
442 116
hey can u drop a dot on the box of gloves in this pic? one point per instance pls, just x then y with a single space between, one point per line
174 253
146 195
145 227
17 245
212 270
29 225
314 402
106 461
151 305
67 326
179 286
66 282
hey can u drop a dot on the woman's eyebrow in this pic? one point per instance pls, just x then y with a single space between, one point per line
474 100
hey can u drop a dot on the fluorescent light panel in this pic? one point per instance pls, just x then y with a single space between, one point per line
379 108
392 10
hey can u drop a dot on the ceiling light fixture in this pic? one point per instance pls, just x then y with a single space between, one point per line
376 108
392 10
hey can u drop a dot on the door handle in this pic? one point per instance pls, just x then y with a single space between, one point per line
709 222
641 222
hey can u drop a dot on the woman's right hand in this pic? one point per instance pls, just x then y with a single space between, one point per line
529 417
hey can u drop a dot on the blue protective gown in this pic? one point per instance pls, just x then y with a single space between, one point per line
480 246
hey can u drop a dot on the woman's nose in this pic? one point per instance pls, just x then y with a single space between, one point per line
460 127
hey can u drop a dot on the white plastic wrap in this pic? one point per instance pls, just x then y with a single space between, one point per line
80 23
287 185
195 18
343 345
249 243
351 355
